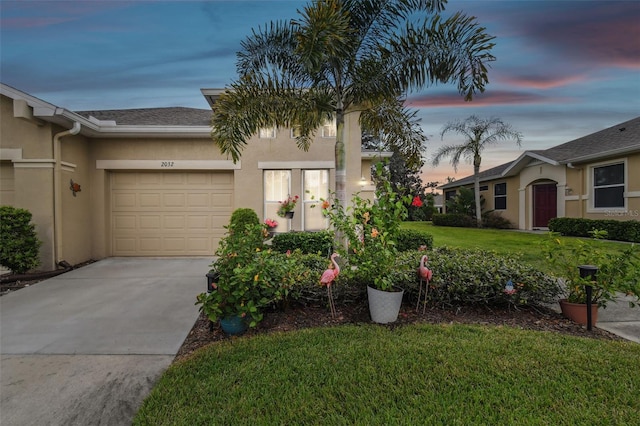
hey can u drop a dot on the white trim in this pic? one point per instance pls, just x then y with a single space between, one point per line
571 197
68 167
632 194
10 154
286 165
167 164
591 190
522 200
34 164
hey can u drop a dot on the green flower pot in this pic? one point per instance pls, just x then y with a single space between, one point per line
234 325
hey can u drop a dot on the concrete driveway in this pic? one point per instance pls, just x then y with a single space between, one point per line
86 347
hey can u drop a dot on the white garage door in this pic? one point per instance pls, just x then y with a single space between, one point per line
169 213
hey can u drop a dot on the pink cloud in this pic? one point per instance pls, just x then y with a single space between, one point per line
485 99
541 81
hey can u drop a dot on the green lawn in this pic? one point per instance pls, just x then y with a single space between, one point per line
418 374
526 244
421 374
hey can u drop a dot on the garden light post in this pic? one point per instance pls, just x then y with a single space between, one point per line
588 271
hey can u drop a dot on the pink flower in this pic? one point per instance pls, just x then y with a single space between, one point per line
271 223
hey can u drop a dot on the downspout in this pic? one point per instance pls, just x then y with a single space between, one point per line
57 190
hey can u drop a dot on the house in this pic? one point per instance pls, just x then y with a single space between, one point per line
150 182
596 177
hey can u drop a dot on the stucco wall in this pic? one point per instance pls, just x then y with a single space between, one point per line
77 229
31 150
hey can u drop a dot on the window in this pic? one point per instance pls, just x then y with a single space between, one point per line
316 186
277 187
500 196
329 129
608 186
484 187
267 133
449 195
295 132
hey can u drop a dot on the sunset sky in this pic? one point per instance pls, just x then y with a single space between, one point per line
564 69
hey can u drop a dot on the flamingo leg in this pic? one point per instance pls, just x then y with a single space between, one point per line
331 303
426 289
419 295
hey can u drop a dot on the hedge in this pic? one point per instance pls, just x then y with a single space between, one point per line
454 219
628 230
308 242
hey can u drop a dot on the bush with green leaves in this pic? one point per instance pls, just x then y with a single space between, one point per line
618 272
627 230
477 277
493 219
307 242
242 217
410 239
454 219
19 243
239 290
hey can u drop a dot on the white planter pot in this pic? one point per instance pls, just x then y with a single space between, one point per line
384 306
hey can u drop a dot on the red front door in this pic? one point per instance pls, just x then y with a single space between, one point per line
544 204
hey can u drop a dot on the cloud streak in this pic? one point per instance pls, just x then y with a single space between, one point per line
489 98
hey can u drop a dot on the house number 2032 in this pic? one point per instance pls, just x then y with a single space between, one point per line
166 164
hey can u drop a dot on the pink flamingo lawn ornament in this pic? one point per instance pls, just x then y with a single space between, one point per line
425 275
327 279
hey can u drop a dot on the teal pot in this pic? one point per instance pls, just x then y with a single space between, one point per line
234 325
384 306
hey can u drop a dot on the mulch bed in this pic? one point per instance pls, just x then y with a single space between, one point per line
299 317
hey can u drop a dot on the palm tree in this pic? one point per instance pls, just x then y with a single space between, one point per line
347 56
478 134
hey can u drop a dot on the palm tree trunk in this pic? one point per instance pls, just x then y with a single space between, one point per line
340 160
341 172
476 190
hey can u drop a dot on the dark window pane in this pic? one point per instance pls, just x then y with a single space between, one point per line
500 203
449 195
609 197
500 189
608 175
484 188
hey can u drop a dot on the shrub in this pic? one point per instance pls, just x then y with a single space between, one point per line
242 217
462 276
409 239
307 242
628 230
308 291
19 244
493 219
454 219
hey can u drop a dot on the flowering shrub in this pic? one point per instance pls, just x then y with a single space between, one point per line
618 272
287 205
417 202
371 230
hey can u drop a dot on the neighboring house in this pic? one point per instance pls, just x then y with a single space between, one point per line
150 182
595 177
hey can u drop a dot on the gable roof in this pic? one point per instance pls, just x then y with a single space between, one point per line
616 140
172 116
